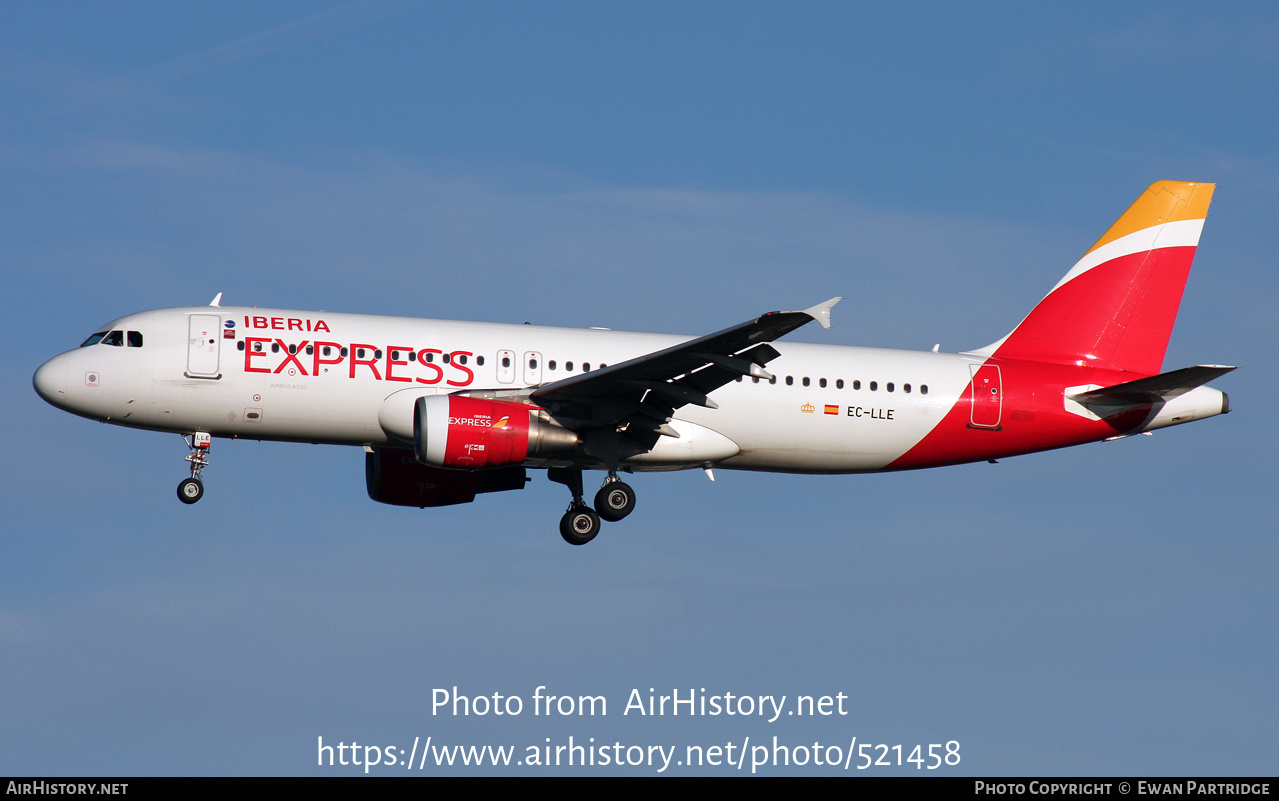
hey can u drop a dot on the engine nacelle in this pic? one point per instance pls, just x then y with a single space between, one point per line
394 476
459 431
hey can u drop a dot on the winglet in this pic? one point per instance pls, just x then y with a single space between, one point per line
217 301
821 312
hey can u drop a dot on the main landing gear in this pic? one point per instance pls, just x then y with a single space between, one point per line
615 499
191 489
581 523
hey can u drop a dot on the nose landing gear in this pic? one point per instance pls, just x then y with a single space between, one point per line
191 489
580 524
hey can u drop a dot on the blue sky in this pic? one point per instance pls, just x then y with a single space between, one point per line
670 167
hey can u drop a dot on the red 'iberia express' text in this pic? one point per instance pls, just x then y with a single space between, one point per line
391 363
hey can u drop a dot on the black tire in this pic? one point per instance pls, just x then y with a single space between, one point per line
615 500
190 490
579 525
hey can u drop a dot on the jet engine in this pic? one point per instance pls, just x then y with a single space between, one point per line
459 431
394 476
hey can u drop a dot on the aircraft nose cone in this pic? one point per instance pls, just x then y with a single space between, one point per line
50 381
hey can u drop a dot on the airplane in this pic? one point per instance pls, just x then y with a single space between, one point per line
448 410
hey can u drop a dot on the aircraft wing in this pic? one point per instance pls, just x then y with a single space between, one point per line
640 395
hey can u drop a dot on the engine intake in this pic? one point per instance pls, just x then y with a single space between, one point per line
459 431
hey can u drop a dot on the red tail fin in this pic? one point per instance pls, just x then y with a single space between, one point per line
1117 306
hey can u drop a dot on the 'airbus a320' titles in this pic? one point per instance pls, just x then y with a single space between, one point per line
448 410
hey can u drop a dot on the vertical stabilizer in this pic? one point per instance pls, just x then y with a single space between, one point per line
1116 306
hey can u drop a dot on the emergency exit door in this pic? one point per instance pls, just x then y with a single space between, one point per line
532 368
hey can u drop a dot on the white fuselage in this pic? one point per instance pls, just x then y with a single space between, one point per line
830 408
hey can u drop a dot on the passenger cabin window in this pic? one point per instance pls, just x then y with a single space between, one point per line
839 383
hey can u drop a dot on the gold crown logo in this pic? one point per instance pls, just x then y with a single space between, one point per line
808 408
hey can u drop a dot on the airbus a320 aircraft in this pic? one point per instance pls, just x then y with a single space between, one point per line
447 410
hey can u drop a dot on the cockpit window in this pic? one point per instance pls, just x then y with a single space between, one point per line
93 339
135 339
114 338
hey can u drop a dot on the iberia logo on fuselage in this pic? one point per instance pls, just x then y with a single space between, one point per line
286 323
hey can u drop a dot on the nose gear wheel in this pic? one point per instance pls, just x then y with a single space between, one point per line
191 489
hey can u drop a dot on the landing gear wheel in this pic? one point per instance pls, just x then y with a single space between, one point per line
190 490
579 525
615 500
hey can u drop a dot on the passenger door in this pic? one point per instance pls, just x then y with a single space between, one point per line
203 337
988 396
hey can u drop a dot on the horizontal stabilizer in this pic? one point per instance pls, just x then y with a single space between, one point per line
1162 387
